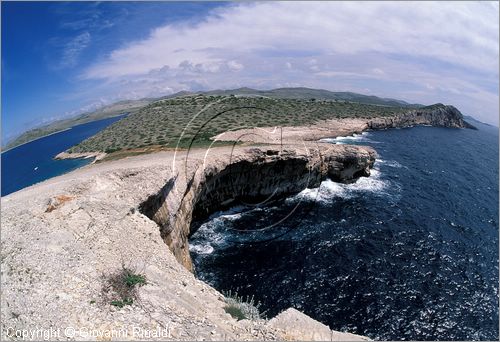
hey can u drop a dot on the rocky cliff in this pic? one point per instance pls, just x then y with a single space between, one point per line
258 174
64 240
437 115
254 176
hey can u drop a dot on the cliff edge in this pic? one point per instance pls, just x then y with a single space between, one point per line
255 175
437 115
64 241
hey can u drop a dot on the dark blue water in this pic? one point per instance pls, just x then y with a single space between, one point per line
410 253
18 164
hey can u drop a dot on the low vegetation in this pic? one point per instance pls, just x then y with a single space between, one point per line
132 106
192 120
242 308
120 288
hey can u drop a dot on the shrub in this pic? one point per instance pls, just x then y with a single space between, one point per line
111 150
120 288
242 308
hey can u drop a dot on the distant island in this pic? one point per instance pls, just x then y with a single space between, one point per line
109 111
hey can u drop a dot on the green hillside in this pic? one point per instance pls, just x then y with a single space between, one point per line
133 106
196 118
319 94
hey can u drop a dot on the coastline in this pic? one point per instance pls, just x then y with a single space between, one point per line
63 130
94 213
143 207
44 136
86 155
442 116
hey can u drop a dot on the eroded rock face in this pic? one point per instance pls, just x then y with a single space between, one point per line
254 175
63 238
437 115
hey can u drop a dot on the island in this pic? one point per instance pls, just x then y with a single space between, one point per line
107 246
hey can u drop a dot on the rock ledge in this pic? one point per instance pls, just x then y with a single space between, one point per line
62 238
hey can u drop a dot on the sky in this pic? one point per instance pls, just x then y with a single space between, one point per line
60 59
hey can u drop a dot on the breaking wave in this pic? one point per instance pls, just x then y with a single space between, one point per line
329 190
219 231
409 253
351 139
389 163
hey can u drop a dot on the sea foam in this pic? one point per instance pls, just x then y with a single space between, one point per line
329 189
355 138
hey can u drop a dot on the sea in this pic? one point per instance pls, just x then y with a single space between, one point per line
409 253
34 161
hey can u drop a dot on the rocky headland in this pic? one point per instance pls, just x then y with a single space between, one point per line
437 115
64 239
260 174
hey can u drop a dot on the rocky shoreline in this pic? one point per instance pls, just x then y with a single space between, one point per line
64 239
254 175
438 115
66 155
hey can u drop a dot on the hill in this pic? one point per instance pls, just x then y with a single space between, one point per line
319 94
132 106
191 120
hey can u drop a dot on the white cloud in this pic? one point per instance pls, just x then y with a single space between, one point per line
234 66
73 49
333 45
461 33
347 74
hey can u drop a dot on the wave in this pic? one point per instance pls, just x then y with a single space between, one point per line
202 248
345 140
389 163
229 214
329 189
351 139
215 233
211 234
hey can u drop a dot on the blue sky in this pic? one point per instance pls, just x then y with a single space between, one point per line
60 59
